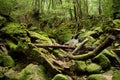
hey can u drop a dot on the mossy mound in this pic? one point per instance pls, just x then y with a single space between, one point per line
116 76
60 77
96 77
12 28
103 61
8 61
32 72
5 60
93 68
81 66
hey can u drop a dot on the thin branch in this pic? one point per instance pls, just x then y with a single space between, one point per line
54 46
80 46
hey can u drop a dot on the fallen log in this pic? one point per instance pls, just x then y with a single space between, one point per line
107 42
54 46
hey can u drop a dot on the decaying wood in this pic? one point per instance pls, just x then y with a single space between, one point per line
107 42
80 46
54 46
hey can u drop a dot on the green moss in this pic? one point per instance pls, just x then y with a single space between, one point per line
14 28
96 77
81 66
93 68
2 20
1 74
103 61
11 45
8 61
60 77
116 76
40 38
32 72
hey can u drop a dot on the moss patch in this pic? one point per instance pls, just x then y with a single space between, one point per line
60 77
96 77
93 68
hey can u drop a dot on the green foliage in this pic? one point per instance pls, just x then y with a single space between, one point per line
8 61
6 6
62 34
11 45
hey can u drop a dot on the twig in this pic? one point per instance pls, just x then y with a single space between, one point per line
80 46
54 46
107 42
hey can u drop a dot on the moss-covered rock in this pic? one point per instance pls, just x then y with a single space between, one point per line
1 56
96 77
103 61
14 28
60 77
93 68
32 72
116 76
8 61
81 66
38 38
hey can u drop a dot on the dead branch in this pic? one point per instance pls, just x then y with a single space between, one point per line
54 46
107 42
80 46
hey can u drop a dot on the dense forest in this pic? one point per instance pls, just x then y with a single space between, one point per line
59 39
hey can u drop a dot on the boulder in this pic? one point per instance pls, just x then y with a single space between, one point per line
103 61
81 66
32 72
96 77
93 68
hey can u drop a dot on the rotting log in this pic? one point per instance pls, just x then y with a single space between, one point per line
54 46
107 42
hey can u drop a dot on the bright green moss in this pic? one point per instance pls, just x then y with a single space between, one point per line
60 77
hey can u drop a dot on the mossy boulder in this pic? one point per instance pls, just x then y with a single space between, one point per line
96 77
93 68
8 61
13 28
116 75
81 66
103 61
39 38
60 77
32 72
